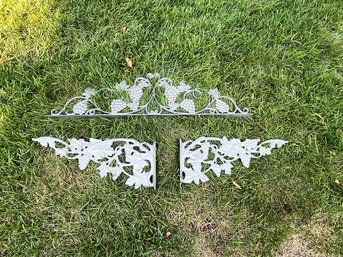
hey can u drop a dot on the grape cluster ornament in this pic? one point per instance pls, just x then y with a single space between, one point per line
151 96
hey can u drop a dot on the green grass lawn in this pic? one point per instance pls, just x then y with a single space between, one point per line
282 59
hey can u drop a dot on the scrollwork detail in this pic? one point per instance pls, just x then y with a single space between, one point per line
116 157
153 95
206 154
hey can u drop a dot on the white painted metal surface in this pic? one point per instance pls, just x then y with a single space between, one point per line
150 96
116 157
212 154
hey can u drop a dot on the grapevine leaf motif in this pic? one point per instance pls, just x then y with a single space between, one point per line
142 97
122 86
206 154
138 179
195 175
51 142
137 163
105 169
89 92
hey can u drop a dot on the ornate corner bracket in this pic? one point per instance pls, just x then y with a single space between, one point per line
150 96
116 157
212 154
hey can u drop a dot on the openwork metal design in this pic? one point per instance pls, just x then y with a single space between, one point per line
154 96
116 157
207 154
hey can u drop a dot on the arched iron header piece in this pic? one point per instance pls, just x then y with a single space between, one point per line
150 96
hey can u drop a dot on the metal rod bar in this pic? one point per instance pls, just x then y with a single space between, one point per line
123 115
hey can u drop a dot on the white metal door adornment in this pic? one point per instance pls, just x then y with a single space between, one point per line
115 157
150 96
212 154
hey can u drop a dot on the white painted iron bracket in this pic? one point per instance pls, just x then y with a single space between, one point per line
116 157
212 154
150 96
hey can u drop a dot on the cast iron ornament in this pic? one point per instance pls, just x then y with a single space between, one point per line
150 96
116 157
212 154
